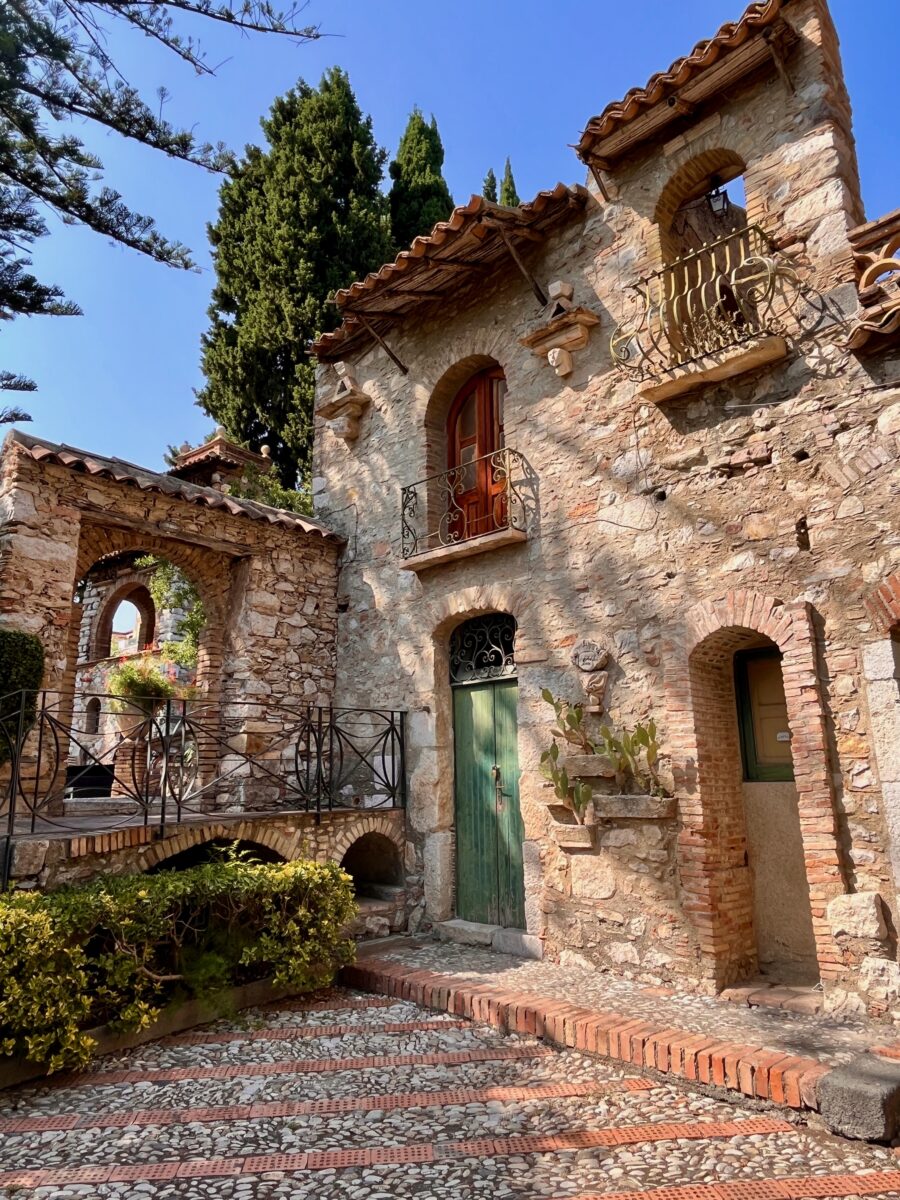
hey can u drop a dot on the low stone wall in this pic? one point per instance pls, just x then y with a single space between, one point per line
51 862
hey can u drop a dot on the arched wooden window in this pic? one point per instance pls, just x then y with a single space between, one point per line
474 437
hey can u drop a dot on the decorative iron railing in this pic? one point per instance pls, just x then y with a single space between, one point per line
73 766
731 290
486 495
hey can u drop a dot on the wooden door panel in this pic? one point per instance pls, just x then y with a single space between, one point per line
476 823
510 830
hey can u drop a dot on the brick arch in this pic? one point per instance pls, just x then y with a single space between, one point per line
883 605
694 667
371 823
210 573
451 610
132 587
246 831
689 179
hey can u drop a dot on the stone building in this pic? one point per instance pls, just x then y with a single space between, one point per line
636 444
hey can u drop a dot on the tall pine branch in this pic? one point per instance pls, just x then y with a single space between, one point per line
298 220
508 193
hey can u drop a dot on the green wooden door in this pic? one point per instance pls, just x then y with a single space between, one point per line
489 879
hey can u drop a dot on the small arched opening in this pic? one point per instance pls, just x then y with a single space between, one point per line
127 622
373 862
92 715
213 851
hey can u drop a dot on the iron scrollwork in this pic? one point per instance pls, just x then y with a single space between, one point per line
729 291
436 511
483 648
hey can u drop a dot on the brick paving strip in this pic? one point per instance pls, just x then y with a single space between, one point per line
297 1066
814 1187
754 1071
422 1152
277 1033
302 1108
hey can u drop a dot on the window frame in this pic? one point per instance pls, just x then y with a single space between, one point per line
752 770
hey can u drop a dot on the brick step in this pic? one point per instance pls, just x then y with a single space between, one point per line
753 1071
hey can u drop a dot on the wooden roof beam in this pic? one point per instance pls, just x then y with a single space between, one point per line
517 259
373 332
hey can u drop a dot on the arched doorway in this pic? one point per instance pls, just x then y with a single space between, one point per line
474 435
763 912
490 884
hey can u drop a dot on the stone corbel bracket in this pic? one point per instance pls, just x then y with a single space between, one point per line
568 329
345 406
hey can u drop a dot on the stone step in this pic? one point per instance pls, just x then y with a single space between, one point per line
505 941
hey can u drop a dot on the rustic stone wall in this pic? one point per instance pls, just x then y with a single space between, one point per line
761 509
268 589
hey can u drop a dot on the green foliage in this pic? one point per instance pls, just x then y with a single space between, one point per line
117 950
635 755
574 794
266 488
56 72
419 196
296 222
171 589
489 187
508 193
570 723
140 683
21 672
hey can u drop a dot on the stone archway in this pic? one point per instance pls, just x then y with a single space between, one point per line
715 897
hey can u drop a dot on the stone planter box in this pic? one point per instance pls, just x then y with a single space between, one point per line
635 808
14 1071
573 837
588 766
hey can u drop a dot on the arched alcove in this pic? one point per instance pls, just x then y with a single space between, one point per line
133 593
211 851
374 864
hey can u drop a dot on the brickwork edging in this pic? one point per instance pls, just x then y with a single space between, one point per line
753 1071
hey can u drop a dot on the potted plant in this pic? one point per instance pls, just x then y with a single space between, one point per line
138 688
635 757
575 798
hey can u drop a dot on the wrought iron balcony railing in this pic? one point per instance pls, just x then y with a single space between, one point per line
486 495
730 291
69 766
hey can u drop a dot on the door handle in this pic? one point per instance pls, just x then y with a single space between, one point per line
498 786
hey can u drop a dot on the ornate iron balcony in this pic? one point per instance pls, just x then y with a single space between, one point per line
729 291
486 495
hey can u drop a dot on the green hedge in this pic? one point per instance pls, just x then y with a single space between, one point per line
21 669
118 949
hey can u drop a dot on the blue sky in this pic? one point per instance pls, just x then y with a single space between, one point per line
501 77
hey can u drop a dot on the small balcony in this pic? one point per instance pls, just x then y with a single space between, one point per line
480 505
712 314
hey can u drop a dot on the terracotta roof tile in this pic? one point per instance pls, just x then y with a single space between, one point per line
732 35
421 263
121 471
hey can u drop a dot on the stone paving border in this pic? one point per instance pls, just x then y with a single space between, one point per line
301 1108
298 1066
751 1070
415 1152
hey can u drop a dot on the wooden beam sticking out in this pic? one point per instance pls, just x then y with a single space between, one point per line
381 342
516 257
454 264
598 179
778 40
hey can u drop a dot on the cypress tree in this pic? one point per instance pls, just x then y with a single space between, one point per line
297 221
508 193
419 195
489 187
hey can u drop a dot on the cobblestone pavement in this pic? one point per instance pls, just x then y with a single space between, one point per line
365 1098
827 1039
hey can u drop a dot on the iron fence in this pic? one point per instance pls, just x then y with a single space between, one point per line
484 495
729 291
79 764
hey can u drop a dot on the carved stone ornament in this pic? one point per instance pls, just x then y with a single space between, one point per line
346 405
568 328
589 656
